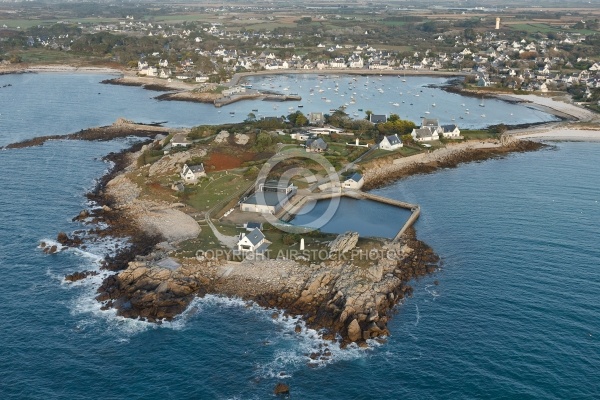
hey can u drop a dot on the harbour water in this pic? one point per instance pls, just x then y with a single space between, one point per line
58 103
513 312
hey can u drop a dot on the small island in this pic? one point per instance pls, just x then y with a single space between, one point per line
203 217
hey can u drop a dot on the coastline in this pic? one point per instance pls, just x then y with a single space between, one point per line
381 172
185 91
350 301
347 300
58 68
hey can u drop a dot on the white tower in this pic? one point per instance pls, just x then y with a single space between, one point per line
497 23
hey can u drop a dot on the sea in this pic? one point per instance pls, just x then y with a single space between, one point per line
513 312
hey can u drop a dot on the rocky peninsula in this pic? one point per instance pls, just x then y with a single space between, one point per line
349 295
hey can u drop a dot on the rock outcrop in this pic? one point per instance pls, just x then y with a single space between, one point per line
344 242
281 388
172 163
341 296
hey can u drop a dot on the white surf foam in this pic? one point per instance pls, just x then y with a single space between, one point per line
294 349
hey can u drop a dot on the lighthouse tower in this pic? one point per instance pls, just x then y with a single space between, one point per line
497 23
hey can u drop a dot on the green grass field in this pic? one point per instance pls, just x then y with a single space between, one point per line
43 56
477 134
208 193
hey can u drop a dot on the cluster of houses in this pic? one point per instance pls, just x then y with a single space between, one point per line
535 64
429 130
492 60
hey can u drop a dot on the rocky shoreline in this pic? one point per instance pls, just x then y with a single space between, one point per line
340 298
348 299
382 172
120 129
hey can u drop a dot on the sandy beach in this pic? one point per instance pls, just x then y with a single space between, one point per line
563 134
556 106
24 69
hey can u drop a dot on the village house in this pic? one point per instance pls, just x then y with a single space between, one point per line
253 241
180 140
317 145
355 181
326 130
391 142
234 90
425 135
190 174
377 118
316 118
301 136
269 198
451 131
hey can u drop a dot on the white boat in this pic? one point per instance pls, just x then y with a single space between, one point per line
396 104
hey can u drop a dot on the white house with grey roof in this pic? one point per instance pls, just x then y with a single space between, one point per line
180 140
253 241
391 142
316 145
269 198
425 135
190 174
451 131
355 181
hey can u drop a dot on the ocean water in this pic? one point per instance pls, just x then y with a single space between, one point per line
513 313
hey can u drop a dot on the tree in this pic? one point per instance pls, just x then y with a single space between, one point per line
263 142
368 115
251 117
407 139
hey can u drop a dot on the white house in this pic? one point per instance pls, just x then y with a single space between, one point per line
338 63
164 73
152 71
253 241
357 63
391 142
356 181
326 130
425 135
450 131
180 140
191 174
234 90
268 199
301 136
